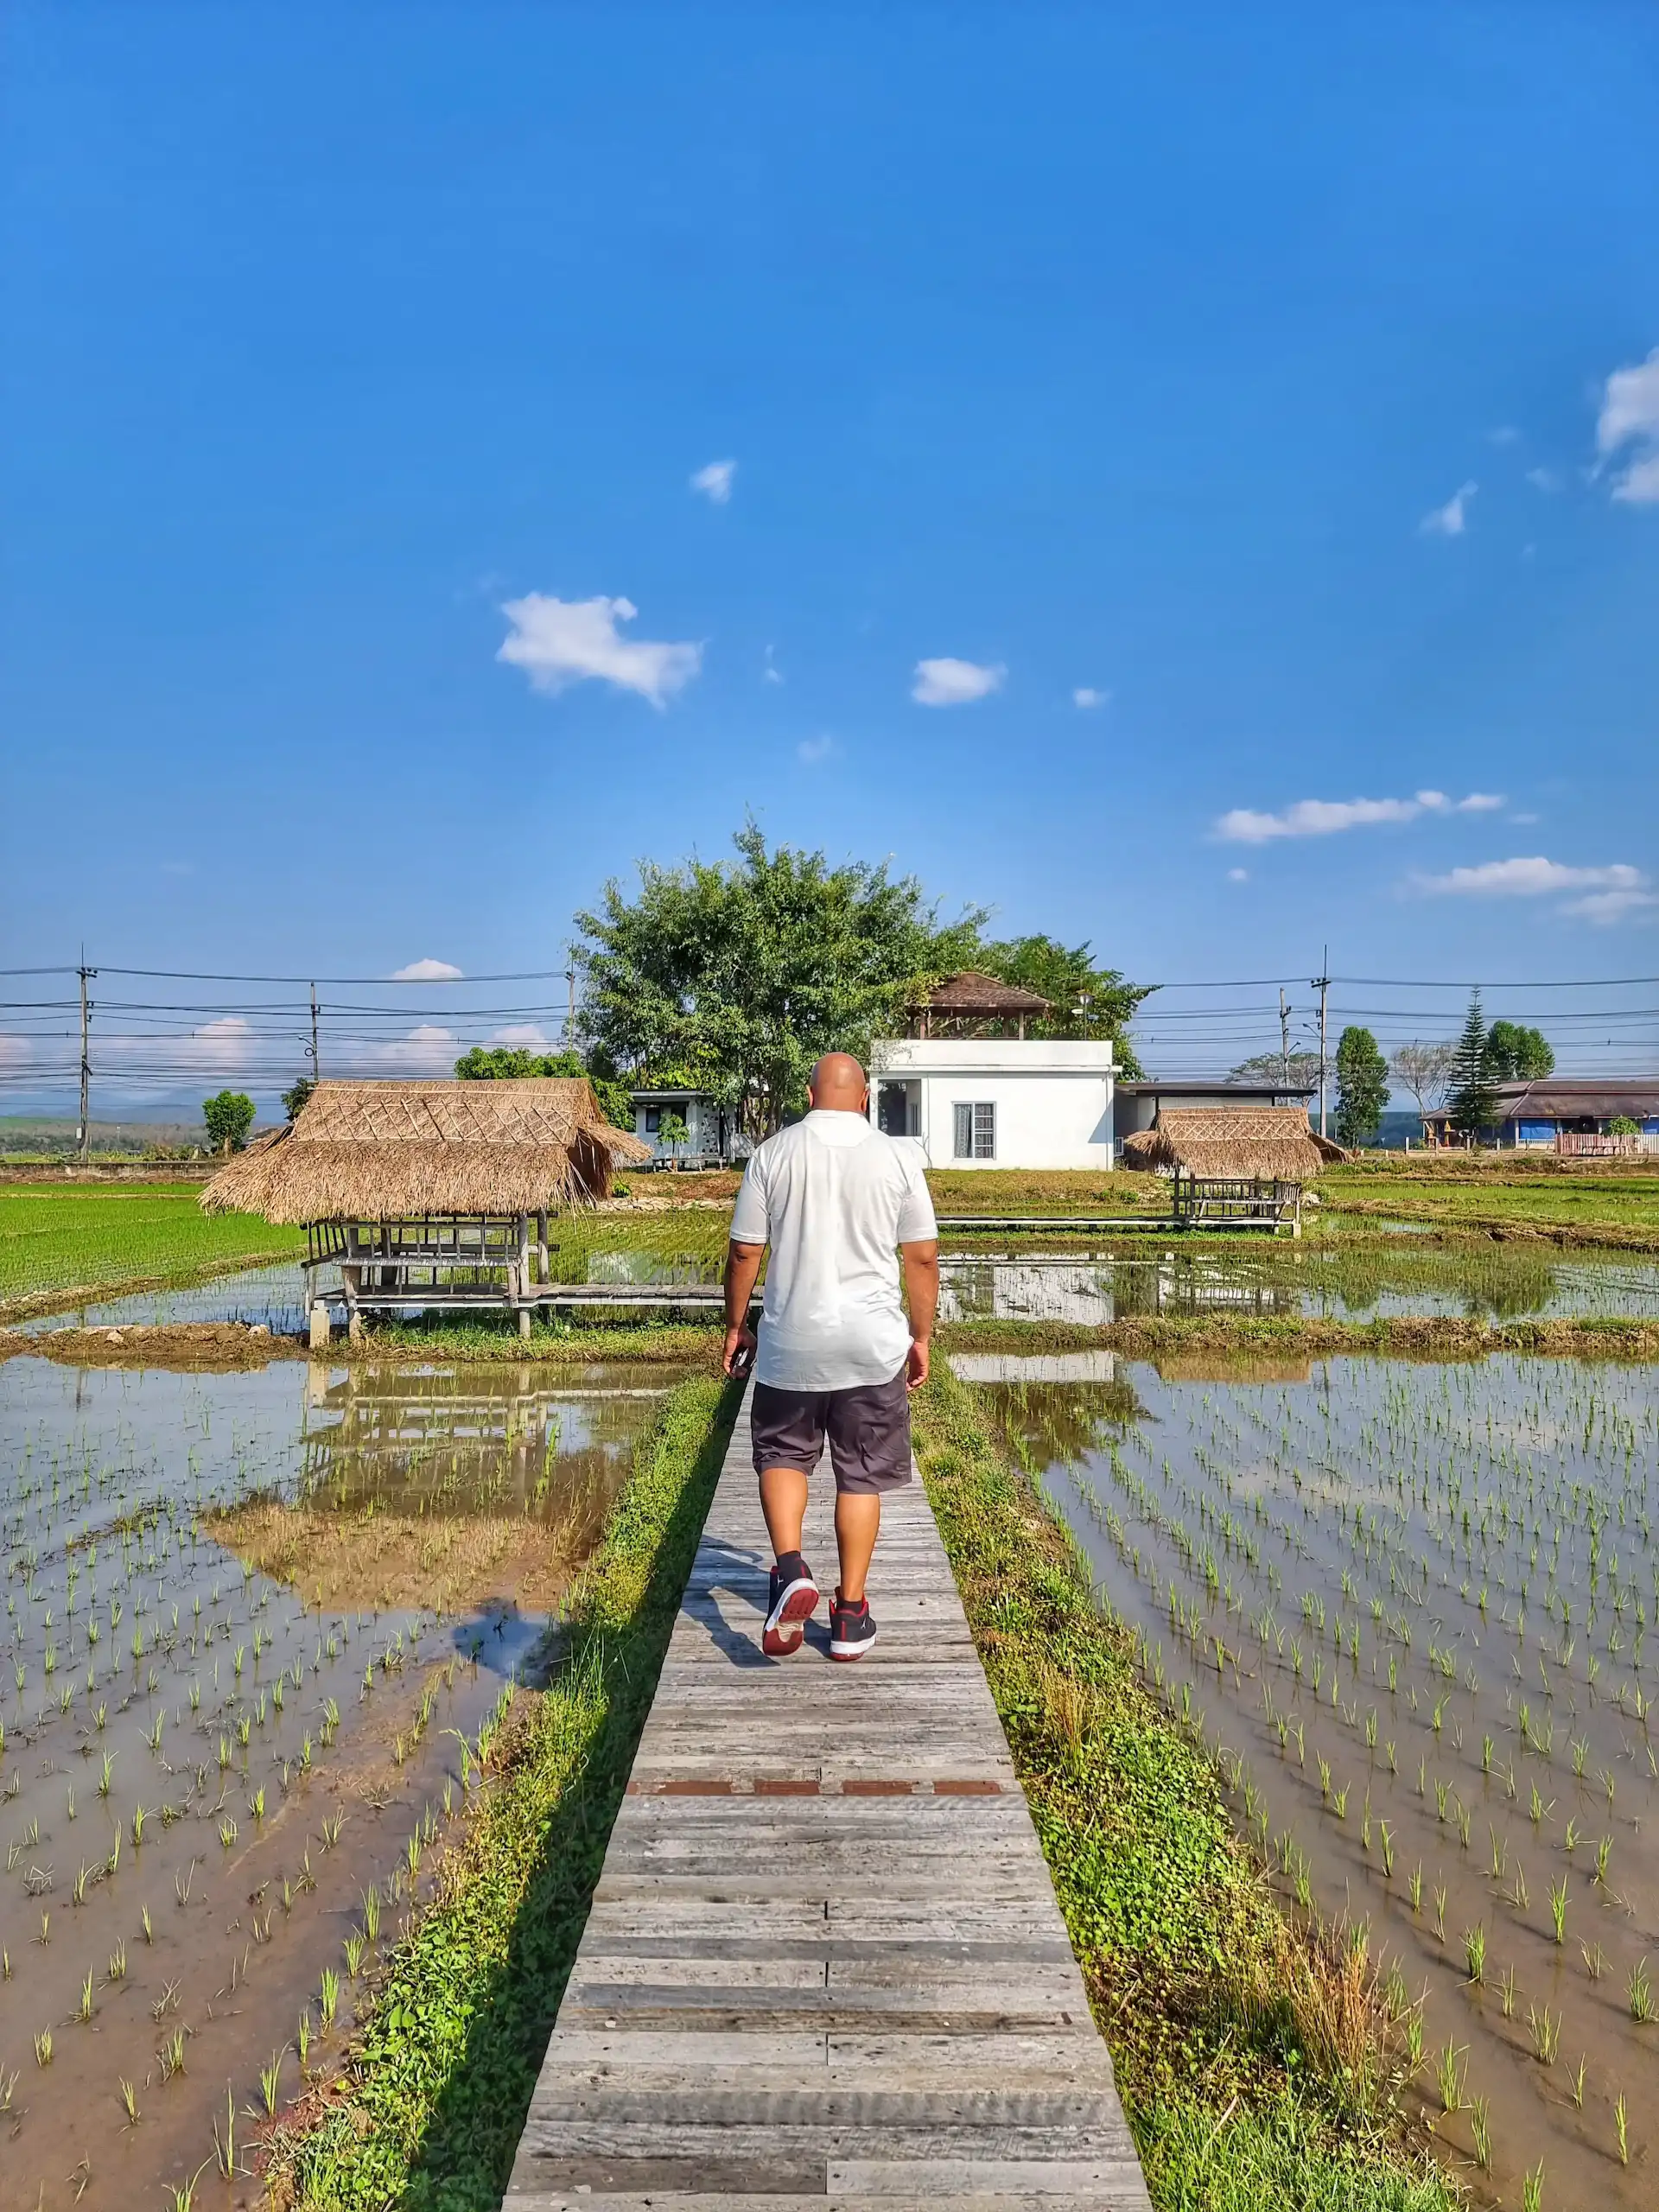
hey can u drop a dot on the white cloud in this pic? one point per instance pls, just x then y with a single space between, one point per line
1607 906
771 673
1505 435
714 482
426 971
1238 875
1544 479
1087 696
558 642
954 683
814 749
14 1051
1535 877
221 1047
1449 521
1630 417
1323 817
1639 485
427 1050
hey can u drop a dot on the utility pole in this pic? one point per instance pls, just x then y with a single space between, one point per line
1284 1039
1321 983
571 1018
316 1065
83 1139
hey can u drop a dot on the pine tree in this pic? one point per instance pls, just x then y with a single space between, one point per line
1361 1086
1473 1103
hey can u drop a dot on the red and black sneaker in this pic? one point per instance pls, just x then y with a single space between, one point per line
851 1630
794 1599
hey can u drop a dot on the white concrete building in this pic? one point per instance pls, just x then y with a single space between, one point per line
997 1102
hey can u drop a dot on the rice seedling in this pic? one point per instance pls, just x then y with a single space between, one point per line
1479 2129
270 2077
1474 1952
129 2097
1545 2029
1622 2129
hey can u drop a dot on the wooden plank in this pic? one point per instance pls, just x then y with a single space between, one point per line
824 1964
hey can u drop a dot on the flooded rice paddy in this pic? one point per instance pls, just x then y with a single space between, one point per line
1410 1605
250 1619
1058 1281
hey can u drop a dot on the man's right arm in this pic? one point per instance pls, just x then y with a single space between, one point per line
751 1225
742 1269
921 1264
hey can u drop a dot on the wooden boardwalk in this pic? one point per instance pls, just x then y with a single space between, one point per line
824 1965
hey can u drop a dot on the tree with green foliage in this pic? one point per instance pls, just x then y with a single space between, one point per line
1361 1086
229 1116
741 973
295 1096
1472 1104
1085 1000
502 1063
1515 1054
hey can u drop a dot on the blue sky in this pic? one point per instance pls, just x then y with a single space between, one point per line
1281 383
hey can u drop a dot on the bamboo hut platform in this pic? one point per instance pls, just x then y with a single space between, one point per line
824 1965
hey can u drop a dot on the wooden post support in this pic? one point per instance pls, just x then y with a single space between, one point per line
319 1326
524 1321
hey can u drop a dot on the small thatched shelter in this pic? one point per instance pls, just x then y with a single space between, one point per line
423 1192
1268 1142
970 1004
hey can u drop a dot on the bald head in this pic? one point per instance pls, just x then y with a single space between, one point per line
837 1085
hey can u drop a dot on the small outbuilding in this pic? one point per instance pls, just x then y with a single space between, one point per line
974 1091
426 1193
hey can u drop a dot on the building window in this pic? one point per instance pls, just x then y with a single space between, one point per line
893 1110
653 1119
975 1130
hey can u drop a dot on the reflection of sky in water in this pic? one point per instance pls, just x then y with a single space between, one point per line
1085 1287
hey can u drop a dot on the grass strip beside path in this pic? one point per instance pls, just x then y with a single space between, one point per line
434 2095
1251 2056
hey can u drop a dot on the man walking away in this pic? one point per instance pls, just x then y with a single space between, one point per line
838 1201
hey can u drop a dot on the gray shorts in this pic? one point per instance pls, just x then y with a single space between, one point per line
867 1429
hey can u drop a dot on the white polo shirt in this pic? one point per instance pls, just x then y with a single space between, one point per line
835 1198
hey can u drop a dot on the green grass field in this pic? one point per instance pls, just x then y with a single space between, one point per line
56 1238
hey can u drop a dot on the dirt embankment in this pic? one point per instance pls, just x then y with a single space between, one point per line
218 1347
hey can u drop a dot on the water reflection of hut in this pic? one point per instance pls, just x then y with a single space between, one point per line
428 1193
1233 1163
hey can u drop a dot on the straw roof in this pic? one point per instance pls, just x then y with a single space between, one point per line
390 1151
971 991
1272 1140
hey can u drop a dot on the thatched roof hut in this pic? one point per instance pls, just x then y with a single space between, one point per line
390 1151
972 1004
1266 1141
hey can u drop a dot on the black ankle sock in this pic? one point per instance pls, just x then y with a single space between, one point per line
790 1564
